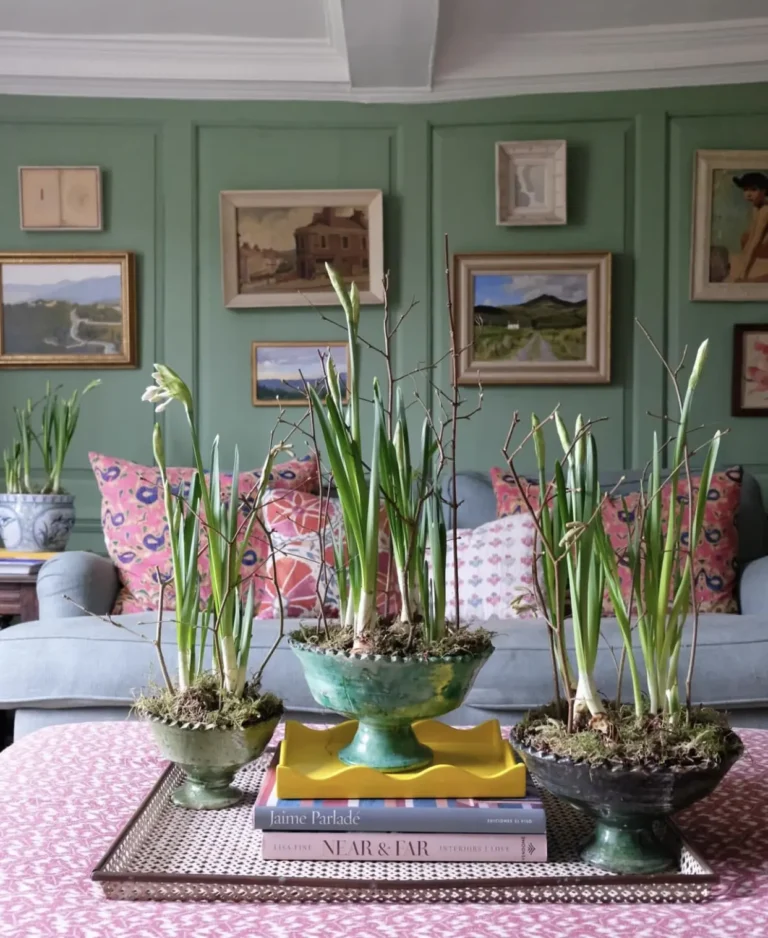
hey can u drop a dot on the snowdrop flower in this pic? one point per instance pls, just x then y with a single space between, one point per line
168 387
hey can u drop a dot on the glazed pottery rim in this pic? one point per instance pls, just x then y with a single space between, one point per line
677 771
398 659
198 727
37 496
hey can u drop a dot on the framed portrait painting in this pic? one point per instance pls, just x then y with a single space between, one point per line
280 371
275 245
533 318
73 310
730 225
750 371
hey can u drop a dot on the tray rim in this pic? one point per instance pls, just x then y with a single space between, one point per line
100 875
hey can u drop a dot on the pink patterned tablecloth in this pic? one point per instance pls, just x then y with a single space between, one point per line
67 790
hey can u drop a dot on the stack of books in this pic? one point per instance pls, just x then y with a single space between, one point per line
15 563
410 829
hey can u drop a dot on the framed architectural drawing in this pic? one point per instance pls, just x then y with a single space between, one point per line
750 371
530 182
275 244
730 226
74 310
280 369
533 318
60 198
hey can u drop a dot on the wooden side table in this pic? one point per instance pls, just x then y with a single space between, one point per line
18 598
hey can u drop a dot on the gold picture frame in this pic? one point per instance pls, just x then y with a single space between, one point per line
533 318
729 243
84 306
274 245
60 198
284 386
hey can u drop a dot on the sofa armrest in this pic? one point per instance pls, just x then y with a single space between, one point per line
753 588
89 580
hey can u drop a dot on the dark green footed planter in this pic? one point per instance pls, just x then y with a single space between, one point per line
210 758
626 803
386 695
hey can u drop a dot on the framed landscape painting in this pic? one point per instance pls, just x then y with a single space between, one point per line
533 318
68 310
750 371
279 371
275 245
730 225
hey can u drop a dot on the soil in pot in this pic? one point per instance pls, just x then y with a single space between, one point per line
387 682
629 774
211 736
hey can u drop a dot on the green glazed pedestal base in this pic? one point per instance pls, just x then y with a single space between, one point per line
202 797
620 849
390 748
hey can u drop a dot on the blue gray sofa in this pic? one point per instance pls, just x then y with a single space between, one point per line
70 667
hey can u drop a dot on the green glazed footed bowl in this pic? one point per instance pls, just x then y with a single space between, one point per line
386 694
210 758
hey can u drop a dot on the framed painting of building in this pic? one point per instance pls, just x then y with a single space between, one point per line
533 318
729 251
275 245
280 371
750 370
75 310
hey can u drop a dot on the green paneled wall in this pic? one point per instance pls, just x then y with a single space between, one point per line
630 160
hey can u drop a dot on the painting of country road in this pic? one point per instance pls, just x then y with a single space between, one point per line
67 311
530 317
533 318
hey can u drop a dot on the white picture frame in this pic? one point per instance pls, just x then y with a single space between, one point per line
60 198
729 256
275 243
531 182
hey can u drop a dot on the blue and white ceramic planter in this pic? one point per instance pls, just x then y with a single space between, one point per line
36 522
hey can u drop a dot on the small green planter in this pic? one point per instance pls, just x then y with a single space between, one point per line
210 758
386 695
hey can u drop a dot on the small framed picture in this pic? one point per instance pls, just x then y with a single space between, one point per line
530 182
280 371
275 245
533 318
750 371
60 198
730 226
75 310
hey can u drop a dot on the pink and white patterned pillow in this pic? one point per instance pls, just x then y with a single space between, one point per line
295 520
136 533
495 570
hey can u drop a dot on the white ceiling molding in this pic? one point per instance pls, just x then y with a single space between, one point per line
222 68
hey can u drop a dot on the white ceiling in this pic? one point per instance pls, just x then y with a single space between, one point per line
375 50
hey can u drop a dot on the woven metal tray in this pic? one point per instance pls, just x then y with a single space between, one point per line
170 853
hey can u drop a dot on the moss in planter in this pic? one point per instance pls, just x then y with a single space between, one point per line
205 702
395 638
700 738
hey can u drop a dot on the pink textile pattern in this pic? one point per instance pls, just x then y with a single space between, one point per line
295 520
715 557
495 564
135 531
716 553
68 790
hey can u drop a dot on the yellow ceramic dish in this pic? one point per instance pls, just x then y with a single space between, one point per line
468 763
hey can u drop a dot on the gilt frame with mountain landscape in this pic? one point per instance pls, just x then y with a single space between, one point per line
292 366
68 310
554 328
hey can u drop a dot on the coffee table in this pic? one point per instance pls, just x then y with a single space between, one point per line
67 791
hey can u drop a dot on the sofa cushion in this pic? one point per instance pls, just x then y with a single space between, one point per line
84 662
716 553
135 529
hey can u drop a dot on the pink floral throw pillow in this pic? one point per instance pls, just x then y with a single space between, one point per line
509 500
715 557
295 519
495 570
135 532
